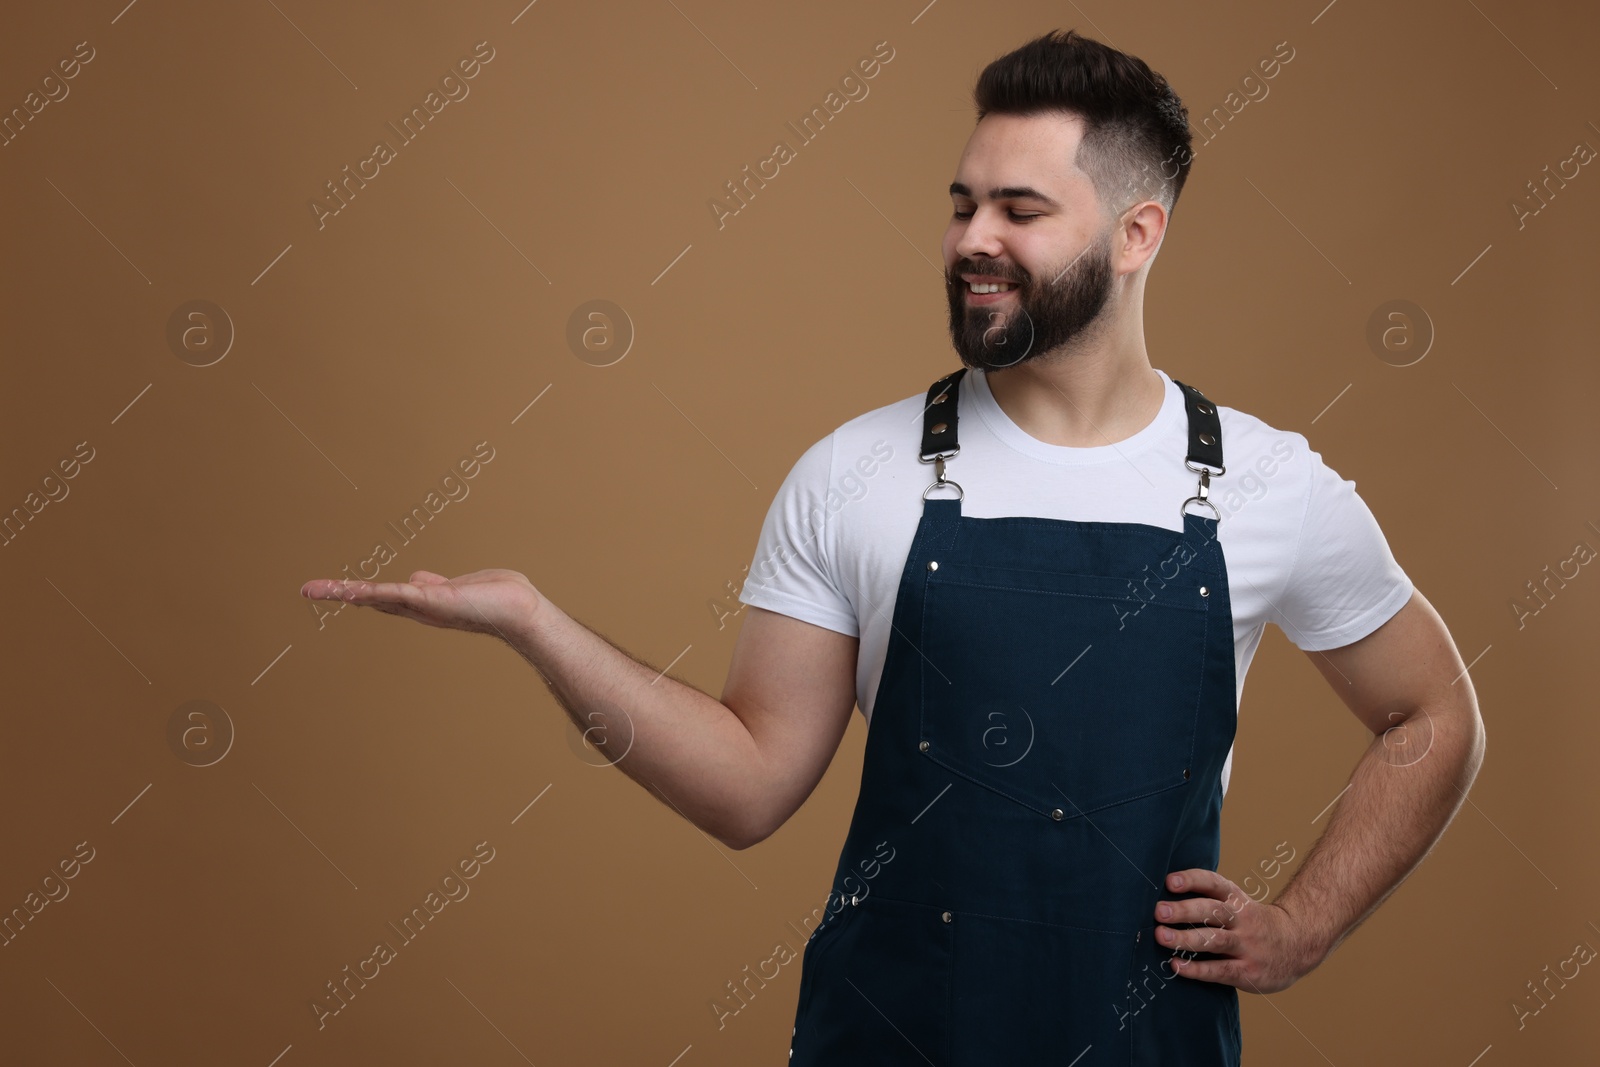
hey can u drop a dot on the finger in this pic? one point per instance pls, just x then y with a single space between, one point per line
1208 910
1222 972
373 594
1217 939
1208 883
405 611
333 589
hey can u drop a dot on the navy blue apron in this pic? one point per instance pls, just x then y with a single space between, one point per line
1056 704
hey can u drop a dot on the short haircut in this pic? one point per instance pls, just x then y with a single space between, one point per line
1136 140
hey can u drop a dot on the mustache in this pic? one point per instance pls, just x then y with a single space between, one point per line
968 267
955 274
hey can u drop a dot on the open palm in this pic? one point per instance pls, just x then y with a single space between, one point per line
488 601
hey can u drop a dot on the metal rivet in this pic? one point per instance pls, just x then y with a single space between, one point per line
940 427
1207 439
922 746
1204 409
1204 591
947 916
1056 814
855 900
1186 774
933 564
942 397
1137 934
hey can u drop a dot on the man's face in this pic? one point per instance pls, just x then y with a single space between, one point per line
1025 215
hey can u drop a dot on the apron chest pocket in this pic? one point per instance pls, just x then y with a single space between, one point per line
1067 693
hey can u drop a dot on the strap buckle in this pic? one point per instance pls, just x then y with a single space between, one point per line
1205 446
939 430
939 480
1202 494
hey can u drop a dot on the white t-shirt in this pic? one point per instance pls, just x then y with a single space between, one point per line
1302 549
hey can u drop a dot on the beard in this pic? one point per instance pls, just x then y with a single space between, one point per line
1040 317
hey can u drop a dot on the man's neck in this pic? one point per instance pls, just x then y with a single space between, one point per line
1081 399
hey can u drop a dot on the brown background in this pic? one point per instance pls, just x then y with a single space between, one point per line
370 355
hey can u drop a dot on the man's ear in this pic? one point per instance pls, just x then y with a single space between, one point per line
1138 236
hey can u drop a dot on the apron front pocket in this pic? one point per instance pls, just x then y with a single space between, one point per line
1173 1019
879 992
1067 693
1032 993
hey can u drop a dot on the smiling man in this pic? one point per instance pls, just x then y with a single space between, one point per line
1048 640
1052 704
1000 315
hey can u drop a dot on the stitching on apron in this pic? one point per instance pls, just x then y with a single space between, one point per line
1010 918
1057 592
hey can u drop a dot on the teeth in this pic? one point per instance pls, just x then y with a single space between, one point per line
987 287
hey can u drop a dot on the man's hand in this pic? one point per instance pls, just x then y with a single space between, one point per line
1267 948
491 601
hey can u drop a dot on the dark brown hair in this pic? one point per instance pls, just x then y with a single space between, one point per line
1136 141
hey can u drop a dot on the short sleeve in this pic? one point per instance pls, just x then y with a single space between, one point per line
1344 582
790 573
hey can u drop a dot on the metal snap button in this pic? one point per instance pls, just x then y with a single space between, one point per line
922 746
933 564
1204 591
855 900
1056 814
947 916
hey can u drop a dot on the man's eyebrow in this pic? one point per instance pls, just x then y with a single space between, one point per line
1008 192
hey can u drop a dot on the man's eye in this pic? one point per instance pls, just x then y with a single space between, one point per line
964 215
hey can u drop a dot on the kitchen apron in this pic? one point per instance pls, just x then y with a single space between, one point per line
1056 704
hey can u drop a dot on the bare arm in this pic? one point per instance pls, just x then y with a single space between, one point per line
1406 683
1409 687
737 767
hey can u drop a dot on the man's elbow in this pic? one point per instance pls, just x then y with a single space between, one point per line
1450 731
746 835
741 842
1459 731
758 822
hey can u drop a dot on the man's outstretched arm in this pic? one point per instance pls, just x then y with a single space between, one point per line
1405 681
737 767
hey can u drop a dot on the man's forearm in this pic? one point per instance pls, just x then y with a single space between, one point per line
685 747
1403 793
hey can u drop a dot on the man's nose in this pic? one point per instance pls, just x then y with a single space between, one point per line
981 236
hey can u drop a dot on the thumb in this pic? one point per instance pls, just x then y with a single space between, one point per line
427 578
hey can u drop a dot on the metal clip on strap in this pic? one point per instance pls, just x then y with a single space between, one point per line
1205 444
939 441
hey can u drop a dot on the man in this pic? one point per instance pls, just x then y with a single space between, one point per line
1048 639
